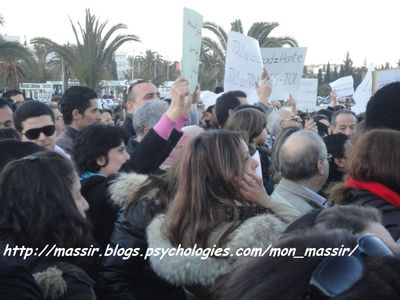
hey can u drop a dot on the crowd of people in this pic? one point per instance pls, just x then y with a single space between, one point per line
161 200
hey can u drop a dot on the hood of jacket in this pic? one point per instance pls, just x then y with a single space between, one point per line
256 232
124 187
51 283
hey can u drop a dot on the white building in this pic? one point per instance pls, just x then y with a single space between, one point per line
121 60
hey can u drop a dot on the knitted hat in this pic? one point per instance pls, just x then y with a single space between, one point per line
383 109
11 149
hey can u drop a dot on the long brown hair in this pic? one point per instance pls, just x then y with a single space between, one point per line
374 158
207 194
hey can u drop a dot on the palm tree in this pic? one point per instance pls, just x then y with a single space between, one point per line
259 30
15 61
91 55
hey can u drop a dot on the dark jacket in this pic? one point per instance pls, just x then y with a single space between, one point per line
102 213
133 278
390 213
149 155
66 139
57 279
128 129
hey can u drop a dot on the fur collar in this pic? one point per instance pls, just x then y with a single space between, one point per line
124 187
51 283
258 232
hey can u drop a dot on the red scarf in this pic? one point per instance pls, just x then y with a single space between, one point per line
375 188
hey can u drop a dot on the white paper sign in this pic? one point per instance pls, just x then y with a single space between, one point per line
243 65
256 156
285 68
363 93
192 25
306 95
384 77
343 86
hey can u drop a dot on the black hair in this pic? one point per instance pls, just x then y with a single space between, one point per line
31 109
8 102
93 142
335 146
9 133
75 97
37 206
11 93
226 102
383 108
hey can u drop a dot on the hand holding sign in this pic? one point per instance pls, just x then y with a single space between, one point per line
264 89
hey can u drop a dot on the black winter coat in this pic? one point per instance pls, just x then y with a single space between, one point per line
133 278
390 213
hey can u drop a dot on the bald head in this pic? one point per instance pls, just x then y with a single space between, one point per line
300 155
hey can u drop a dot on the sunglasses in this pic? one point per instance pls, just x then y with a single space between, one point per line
33 134
336 275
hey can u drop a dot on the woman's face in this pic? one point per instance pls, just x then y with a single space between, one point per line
80 201
116 158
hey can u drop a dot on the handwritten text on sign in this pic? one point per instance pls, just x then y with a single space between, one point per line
285 68
192 25
343 86
243 65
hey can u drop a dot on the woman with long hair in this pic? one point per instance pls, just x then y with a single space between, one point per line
253 121
41 208
219 203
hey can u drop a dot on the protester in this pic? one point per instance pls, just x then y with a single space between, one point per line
6 115
253 121
344 121
214 183
221 212
304 165
79 109
41 207
374 179
35 122
339 146
319 277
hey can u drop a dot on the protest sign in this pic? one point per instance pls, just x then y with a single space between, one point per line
192 25
285 68
363 93
381 78
306 95
243 65
343 86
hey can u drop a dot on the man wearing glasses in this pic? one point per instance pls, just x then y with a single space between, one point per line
304 164
35 122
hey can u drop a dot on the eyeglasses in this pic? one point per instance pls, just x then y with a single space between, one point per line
33 134
335 275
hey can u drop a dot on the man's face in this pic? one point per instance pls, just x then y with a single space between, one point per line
145 92
6 117
346 124
18 99
90 116
45 137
